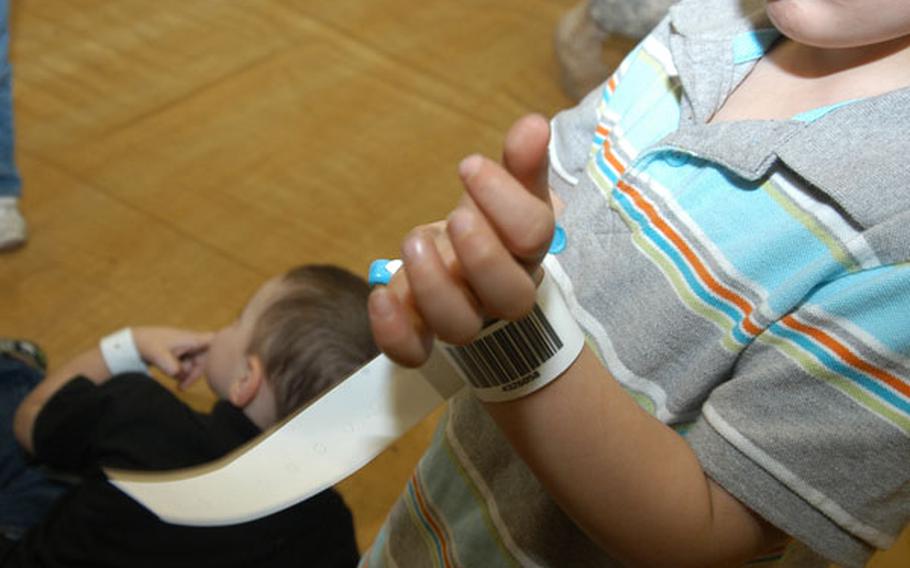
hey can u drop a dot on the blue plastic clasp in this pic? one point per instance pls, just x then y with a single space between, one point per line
381 271
558 244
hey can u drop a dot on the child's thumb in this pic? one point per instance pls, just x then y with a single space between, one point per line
203 338
525 154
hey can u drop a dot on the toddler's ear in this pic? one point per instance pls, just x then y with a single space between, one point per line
244 389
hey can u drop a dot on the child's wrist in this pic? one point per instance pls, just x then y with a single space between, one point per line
121 354
510 360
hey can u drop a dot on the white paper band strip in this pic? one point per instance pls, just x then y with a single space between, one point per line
350 425
316 448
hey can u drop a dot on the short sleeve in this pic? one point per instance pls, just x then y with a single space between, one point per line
63 430
813 430
116 424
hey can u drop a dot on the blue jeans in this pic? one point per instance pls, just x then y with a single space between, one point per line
26 493
10 182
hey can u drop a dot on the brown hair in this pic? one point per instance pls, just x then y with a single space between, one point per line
314 334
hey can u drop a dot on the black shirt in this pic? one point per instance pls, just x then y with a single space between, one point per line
132 422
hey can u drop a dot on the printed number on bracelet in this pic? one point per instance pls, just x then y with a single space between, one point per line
508 354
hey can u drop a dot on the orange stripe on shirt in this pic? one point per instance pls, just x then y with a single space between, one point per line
693 259
848 356
424 508
612 159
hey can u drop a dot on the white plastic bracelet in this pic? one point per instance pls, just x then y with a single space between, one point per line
510 360
120 353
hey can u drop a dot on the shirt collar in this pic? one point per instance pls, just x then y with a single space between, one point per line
702 41
846 153
833 151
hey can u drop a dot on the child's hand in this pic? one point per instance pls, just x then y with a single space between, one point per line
178 353
483 262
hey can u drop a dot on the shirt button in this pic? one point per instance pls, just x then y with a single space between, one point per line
559 240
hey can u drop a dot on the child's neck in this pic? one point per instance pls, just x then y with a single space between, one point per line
261 410
795 78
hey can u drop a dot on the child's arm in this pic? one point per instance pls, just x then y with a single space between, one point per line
629 481
178 353
626 479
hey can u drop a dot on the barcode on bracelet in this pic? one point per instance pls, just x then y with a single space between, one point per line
510 355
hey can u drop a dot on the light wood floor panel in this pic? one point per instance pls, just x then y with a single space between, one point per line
268 196
92 67
95 264
177 153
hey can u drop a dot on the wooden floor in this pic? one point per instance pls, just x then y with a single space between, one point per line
177 153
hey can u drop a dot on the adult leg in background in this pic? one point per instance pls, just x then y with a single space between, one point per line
12 224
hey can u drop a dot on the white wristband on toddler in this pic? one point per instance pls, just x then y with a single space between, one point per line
509 360
120 353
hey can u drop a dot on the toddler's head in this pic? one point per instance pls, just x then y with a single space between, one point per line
300 334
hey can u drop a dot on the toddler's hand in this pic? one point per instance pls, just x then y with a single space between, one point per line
483 262
178 353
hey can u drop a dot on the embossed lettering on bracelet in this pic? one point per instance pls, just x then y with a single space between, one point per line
512 359
521 382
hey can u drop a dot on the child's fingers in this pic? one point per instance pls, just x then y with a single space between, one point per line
191 345
193 342
522 220
503 287
166 361
445 305
397 330
496 237
190 372
186 383
203 339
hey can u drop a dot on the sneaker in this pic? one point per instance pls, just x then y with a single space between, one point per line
12 225
23 350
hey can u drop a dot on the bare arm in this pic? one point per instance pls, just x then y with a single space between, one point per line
630 482
625 478
178 353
